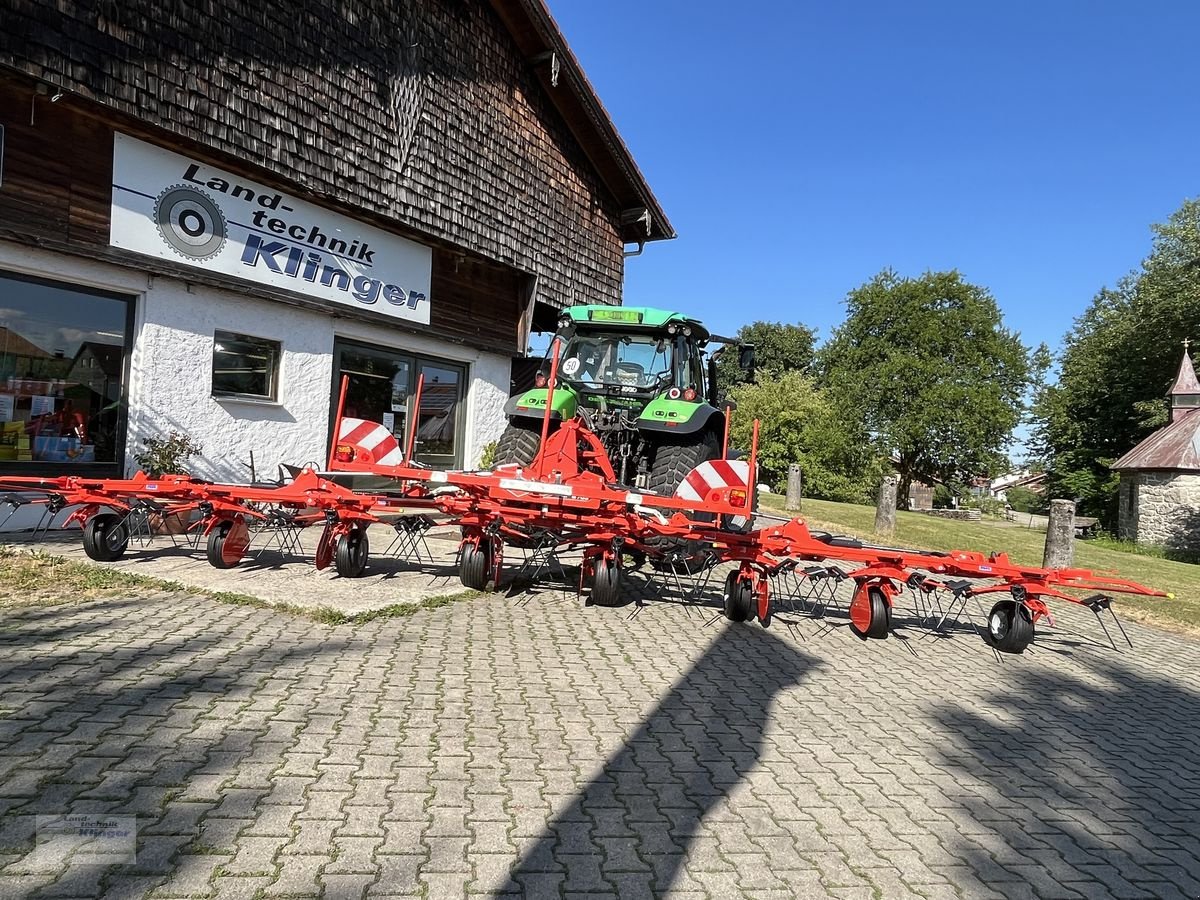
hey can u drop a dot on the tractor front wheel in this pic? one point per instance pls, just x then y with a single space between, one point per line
519 443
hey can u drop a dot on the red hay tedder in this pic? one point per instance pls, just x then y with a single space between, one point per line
569 498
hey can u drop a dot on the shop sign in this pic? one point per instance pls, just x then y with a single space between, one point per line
180 209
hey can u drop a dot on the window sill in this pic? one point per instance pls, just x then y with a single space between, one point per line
249 401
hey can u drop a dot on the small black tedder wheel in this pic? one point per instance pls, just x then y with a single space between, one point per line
606 582
870 614
1010 626
475 567
105 537
216 546
353 548
739 599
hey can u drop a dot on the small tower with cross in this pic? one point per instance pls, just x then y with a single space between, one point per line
1185 392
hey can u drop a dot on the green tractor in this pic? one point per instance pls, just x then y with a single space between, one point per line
642 382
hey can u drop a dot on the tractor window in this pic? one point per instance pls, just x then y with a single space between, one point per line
641 361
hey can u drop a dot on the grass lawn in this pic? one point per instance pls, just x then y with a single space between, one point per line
42 579
1024 546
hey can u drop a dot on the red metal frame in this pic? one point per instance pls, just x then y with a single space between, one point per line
569 491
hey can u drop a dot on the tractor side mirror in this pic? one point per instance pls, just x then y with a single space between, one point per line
746 358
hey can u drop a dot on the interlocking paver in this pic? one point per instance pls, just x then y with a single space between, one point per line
526 746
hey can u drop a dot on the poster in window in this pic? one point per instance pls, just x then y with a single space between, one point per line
40 405
6 407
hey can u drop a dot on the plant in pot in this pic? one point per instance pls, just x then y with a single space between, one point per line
167 456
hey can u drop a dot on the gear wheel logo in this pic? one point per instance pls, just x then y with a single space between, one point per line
190 222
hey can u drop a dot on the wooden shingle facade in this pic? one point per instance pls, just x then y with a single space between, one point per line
427 114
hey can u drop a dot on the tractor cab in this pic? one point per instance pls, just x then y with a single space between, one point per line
631 354
640 379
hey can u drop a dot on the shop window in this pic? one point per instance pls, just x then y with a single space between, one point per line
63 352
245 367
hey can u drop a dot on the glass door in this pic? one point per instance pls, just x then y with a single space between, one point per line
438 440
382 388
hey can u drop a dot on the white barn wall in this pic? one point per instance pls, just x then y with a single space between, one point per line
171 380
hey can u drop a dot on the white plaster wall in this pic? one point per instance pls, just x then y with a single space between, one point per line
171 380
171 369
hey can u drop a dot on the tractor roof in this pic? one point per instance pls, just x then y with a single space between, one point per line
600 314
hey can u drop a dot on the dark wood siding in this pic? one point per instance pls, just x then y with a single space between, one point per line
420 111
56 193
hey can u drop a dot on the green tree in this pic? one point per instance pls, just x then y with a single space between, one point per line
800 424
778 347
937 378
1116 366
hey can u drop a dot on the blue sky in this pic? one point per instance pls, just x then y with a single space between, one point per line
799 148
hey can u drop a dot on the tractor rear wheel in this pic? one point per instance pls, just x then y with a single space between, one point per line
519 443
677 455
673 460
105 537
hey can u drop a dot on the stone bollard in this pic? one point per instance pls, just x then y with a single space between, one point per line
795 485
1060 535
885 511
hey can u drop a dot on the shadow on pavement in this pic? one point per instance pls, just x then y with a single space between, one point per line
1086 777
645 809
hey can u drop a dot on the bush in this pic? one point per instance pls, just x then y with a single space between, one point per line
799 423
487 456
167 456
943 497
989 506
1024 500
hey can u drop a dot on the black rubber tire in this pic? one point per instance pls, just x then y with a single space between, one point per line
353 550
475 567
881 615
519 442
216 545
606 583
105 537
673 460
677 455
738 599
1010 626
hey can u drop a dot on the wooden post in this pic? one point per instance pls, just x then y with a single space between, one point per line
1060 535
885 511
795 487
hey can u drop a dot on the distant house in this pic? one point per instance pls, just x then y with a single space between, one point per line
1160 477
1031 481
98 367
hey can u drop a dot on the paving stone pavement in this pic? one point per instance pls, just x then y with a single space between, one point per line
525 745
